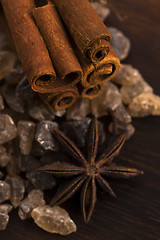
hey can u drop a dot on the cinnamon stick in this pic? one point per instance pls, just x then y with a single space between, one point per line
102 71
92 91
30 45
4 28
88 31
62 99
56 39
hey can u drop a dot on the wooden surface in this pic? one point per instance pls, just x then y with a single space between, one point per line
136 213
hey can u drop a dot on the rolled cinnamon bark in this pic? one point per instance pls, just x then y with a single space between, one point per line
30 45
88 31
102 71
5 29
92 91
53 31
60 100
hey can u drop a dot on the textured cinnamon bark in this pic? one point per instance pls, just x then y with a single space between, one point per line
4 28
92 91
29 44
88 31
102 71
56 39
61 99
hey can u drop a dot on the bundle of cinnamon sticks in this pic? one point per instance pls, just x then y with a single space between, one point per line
63 46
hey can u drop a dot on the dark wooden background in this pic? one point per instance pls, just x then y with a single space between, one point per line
136 213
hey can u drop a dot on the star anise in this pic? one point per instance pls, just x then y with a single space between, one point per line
87 171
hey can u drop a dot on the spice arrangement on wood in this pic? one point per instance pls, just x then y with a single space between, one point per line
63 47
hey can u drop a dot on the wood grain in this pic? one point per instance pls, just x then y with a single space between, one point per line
135 215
